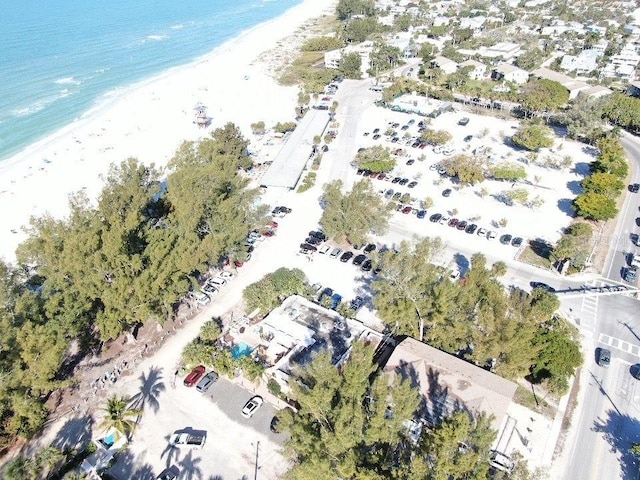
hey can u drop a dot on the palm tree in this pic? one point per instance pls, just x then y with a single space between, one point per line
119 416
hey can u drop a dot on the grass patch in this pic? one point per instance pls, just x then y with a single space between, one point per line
308 182
526 398
538 254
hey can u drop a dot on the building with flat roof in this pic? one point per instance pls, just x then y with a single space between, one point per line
449 384
290 162
510 73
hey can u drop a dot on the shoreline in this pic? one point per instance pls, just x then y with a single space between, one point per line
148 120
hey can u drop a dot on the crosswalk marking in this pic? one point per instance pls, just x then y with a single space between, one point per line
619 344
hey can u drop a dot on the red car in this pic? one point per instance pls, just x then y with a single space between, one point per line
406 210
195 375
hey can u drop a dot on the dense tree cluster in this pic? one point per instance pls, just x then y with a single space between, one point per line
509 171
347 8
352 216
354 424
321 44
437 137
351 65
473 318
376 159
623 110
127 260
533 137
268 292
469 170
539 97
575 244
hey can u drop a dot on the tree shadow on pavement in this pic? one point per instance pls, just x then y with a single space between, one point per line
621 431
189 467
565 205
126 467
76 433
151 386
171 452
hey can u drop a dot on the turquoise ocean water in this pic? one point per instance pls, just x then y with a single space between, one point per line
59 58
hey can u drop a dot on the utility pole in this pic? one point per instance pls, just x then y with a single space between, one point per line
255 475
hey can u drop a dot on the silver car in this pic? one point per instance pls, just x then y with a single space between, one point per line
206 381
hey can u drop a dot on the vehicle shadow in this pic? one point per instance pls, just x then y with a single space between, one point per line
621 432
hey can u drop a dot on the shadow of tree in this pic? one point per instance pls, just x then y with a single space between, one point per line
127 467
566 206
189 467
76 433
151 386
171 452
575 187
621 431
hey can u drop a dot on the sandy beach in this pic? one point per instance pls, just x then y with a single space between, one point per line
148 121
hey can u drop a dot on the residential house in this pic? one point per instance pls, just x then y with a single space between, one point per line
446 65
476 24
574 86
623 65
510 73
504 50
602 31
596 91
333 58
449 384
582 64
477 70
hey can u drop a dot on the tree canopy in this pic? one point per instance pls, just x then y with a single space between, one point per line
595 206
469 170
533 137
376 159
351 64
268 292
352 216
541 96
623 110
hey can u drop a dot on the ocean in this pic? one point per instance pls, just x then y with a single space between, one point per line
61 58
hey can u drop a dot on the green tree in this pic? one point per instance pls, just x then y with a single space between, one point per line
427 53
533 137
438 137
603 183
384 57
558 356
351 65
530 59
403 22
258 127
623 110
469 171
611 158
635 450
359 30
352 216
285 127
575 244
595 206
376 158
268 292
347 8
540 96
210 331
584 119
509 171
518 195
119 416
321 44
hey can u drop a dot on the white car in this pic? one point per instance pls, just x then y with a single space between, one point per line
226 275
324 249
200 297
251 406
209 289
455 275
217 281
482 232
491 235
444 220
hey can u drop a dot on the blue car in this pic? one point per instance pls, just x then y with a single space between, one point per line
335 300
421 213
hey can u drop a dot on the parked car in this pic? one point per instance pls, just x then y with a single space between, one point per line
435 217
356 303
336 252
359 259
505 239
421 214
461 225
446 192
542 285
209 289
634 188
336 298
226 274
403 181
516 242
468 138
482 232
406 210
324 249
194 376
366 265
370 248
604 356
471 228
206 381
346 256
313 241
308 247
170 473
274 425
201 298
491 235
217 281
453 222
464 121
631 274
251 406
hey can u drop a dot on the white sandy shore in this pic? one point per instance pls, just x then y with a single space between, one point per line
149 121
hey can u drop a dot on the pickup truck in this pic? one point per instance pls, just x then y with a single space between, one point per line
188 439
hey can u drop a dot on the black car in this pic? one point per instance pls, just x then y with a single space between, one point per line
318 234
360 171
412 184
411 161
273 426
376 136
471 228
346 256
446 192
630 274
516 242
356 303
377 130
366 265
396 180
370 248
307 246
604 357
435 217
462 225
313 241
170 473
505 239
404 181
543 286
468 138
359 259
634 188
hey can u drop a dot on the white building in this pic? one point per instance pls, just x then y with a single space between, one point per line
622 65
476 24
583 64
506 51
333 58
478 71
510 73
446 65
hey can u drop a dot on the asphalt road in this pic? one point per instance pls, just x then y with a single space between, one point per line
607 421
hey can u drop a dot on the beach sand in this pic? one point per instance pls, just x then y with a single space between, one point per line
150 120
